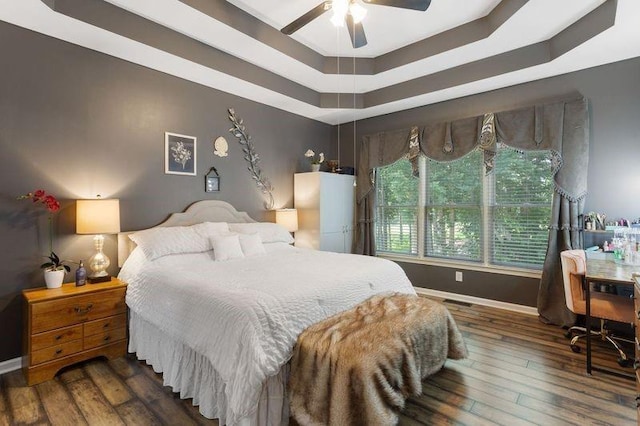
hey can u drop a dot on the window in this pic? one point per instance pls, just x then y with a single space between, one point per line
397 209
495 219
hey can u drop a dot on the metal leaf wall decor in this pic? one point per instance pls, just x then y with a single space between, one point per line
239 131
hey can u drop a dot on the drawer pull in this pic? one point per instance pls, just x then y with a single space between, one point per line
107 338
81 311
106 325
58 337
58 351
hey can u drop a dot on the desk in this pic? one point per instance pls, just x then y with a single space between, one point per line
604 269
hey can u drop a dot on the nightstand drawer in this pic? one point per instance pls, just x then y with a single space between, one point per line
55 352
104 338
77 309
55 337
102 325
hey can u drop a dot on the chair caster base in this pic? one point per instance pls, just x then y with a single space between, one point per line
625 362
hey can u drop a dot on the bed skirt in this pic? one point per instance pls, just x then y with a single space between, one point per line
192 375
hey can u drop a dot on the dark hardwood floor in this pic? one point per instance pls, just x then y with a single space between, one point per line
519 372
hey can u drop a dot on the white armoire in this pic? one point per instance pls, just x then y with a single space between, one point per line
325 204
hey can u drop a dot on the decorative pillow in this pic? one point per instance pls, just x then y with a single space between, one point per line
269 232
251 245
158 242
226 247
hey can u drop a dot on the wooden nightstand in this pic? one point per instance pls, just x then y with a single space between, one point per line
71 324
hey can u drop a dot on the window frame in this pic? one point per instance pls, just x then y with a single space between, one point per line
483 265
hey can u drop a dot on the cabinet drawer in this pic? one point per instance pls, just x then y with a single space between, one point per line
104 338
99 326
55 337
54 314
55 352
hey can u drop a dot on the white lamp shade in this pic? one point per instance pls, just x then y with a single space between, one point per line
287 218
98 216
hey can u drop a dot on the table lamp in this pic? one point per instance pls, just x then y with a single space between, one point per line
287 218
99 216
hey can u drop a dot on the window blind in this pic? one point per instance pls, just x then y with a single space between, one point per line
453 208
396 213
520 207
456 211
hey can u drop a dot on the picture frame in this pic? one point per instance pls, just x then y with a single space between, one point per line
180 154
211 181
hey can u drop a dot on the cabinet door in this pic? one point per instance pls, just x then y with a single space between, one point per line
348 240
331 204
332 241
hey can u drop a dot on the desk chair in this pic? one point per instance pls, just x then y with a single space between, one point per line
605 306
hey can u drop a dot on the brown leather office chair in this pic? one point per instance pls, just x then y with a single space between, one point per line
604 306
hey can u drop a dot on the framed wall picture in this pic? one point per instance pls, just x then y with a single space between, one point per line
179 154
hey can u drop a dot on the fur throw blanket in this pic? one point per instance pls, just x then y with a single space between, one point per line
359 366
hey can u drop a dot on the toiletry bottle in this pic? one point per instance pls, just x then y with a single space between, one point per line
81 275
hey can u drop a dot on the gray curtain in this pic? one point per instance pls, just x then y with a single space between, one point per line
567 210
562 128
376 150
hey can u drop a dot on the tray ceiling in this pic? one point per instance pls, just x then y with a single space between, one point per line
455 48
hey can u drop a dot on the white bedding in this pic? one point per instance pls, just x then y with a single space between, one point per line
244 315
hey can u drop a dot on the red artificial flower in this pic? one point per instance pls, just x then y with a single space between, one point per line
40 196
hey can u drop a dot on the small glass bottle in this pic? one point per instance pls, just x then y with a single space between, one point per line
81 275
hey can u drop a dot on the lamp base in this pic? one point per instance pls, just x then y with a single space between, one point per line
100 279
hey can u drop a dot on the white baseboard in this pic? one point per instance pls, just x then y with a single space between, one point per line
529 310
10 365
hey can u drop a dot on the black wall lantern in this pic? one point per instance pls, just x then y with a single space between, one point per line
212 182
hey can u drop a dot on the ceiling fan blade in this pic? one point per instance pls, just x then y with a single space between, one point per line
404 4
306 18
356 32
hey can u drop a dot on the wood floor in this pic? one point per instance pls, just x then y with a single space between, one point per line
519 372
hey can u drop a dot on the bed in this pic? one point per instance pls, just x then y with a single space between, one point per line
222 331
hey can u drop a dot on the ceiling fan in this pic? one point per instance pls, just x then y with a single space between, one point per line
353 13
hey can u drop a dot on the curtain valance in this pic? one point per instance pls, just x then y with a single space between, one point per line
558 127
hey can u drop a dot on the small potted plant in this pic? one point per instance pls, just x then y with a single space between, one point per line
55 268
315 162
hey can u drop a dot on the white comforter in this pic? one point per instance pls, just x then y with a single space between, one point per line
244 315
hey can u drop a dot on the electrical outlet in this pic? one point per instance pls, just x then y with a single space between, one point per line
459 276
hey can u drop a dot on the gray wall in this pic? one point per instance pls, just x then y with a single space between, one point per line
614 165
79 123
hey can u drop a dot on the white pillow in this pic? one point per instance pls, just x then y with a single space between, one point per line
269 232
162 241
251 245
210 229
226 247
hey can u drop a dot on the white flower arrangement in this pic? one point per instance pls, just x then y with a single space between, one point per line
181 154
312 157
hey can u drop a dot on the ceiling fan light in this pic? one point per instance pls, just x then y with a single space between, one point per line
337 20
340 7
357 12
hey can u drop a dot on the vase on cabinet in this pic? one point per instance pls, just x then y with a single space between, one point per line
54 279
315 167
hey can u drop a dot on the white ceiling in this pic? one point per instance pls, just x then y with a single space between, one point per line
387 29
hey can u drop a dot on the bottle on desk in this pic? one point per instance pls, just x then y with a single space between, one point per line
81 275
